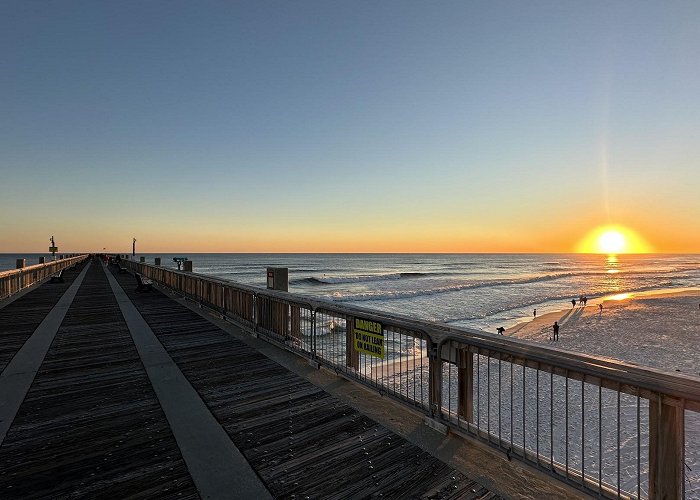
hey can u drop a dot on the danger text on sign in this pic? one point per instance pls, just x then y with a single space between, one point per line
368 337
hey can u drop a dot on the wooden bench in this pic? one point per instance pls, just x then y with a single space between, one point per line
58 277
143 284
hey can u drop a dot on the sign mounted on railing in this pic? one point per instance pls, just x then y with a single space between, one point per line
369 337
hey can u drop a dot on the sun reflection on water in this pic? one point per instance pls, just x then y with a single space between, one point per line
612 267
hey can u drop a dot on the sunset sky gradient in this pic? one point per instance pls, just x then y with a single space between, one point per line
318 126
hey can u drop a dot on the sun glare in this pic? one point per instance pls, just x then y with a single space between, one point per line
613 240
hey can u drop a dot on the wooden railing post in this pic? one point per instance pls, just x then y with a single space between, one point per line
295 325
666 449
223 301
352 355
435 377
256 312
465 373
281 314
261 311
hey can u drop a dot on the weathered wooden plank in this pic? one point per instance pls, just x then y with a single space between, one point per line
90 425
300 440
19 319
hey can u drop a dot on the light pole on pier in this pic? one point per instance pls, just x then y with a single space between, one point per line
133 248
53 248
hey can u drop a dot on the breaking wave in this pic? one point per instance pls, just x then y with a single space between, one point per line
334 280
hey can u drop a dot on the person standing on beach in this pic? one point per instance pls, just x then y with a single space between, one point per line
555 327
600 306
573 303
534 313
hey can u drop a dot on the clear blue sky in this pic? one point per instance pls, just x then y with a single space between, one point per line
275 126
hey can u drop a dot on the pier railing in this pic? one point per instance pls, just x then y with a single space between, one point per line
15 280
609 428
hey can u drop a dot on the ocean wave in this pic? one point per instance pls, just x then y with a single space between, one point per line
360 278
403 294
554 269
383 295
452 265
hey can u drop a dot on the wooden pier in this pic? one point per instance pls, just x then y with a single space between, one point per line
107 392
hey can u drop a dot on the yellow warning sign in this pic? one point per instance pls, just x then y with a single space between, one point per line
369 337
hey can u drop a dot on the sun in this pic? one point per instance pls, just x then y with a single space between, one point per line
613 240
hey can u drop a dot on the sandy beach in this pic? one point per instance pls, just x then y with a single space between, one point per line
656 329
661 330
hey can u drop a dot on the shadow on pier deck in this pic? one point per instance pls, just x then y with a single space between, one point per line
106 392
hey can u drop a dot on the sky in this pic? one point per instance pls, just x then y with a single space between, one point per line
354 126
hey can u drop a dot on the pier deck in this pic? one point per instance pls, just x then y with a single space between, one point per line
106 392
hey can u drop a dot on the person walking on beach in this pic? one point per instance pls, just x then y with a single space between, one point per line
573 303
534 313
600 307
555 327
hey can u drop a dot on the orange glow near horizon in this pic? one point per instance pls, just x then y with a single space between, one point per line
613 240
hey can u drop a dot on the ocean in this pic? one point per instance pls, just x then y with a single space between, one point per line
483 291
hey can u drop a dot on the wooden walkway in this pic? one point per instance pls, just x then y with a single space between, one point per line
92 426
19 319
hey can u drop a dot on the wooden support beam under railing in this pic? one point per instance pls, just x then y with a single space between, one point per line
352 356
465 371
435 380
666 450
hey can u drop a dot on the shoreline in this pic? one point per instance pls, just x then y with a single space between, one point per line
660 329
566 315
